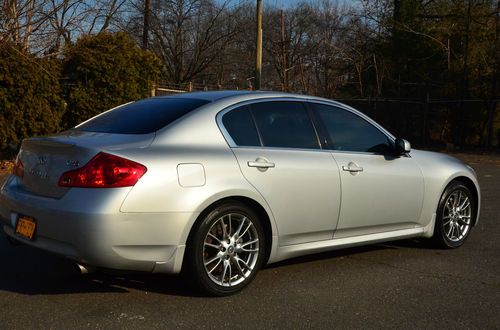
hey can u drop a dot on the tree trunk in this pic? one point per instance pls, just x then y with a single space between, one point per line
145 31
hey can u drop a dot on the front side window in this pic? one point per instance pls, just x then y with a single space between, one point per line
284 124
349 132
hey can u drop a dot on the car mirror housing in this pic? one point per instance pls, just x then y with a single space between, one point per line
403 147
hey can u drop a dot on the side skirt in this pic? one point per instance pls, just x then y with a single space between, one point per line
291 251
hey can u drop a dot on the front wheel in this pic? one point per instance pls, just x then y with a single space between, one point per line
454 216
227 249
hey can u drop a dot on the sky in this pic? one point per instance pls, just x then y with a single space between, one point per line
282 3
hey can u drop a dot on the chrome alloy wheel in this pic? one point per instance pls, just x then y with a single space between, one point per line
230 249
457 216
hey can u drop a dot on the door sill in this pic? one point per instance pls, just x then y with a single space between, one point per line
291 251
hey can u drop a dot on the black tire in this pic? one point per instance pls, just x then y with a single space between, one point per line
231 257
452 228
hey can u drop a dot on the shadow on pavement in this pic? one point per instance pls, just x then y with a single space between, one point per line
401 244
30 271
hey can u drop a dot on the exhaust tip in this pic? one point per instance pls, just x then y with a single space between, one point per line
81 269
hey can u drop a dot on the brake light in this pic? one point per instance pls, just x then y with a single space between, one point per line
104 171
18 169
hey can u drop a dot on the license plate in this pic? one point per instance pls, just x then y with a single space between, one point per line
25 227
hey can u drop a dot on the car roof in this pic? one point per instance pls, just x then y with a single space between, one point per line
225 98
217 95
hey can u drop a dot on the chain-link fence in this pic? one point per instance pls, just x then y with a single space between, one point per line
171 88
437 123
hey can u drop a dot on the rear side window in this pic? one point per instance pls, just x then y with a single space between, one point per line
284 124
349 132
240 126
141 117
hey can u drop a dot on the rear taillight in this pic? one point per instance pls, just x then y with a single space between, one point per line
18 169
104 171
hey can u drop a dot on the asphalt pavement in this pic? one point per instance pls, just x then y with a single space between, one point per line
403 284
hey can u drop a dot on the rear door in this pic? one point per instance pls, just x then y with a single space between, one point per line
380 192
278 152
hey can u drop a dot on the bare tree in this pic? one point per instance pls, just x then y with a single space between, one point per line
72 18
327 60
45 26
20 20
190 34
288 43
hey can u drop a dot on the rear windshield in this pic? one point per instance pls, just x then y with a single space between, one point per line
142 117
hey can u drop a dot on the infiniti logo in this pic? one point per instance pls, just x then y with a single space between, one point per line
38 169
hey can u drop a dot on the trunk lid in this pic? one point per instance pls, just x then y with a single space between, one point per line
45 159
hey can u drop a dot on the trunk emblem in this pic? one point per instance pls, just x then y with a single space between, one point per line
40 174
39 169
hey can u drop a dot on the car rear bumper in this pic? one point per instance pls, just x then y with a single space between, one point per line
86 226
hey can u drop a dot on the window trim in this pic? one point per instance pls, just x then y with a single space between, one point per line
254 121
316 122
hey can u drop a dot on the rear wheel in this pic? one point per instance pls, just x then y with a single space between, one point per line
454 216
227 249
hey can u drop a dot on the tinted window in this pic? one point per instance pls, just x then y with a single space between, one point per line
349 132
285 125
240 126
141 117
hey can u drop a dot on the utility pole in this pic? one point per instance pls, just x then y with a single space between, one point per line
258 57
145 31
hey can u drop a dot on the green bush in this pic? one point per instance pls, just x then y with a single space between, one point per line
30 96
104 71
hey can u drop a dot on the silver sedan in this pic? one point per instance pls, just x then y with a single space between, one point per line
221 183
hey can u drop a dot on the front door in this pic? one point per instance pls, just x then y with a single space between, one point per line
380 192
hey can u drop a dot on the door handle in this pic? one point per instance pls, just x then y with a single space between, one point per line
352 167
260 164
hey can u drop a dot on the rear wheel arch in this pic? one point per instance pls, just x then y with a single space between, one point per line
261 212
222 261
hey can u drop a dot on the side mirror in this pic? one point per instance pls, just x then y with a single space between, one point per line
403 147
